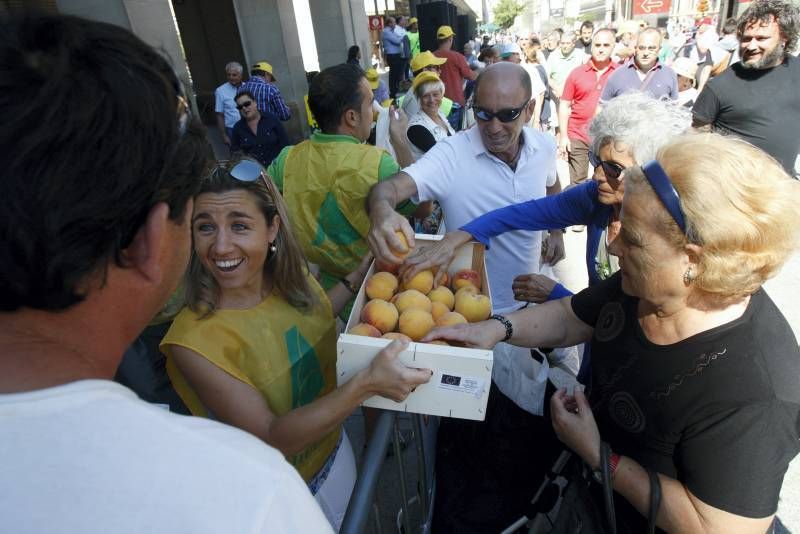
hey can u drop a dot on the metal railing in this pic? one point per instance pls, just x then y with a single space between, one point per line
361 502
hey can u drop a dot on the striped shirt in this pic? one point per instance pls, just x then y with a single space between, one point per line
268 97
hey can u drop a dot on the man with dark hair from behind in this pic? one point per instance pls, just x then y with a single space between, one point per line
757 99
325 179
94 242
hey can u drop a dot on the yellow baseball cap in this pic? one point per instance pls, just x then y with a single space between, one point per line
412 20
373 78
425 59
424 77
444 32
266 67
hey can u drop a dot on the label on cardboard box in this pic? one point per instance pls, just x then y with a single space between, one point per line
462 384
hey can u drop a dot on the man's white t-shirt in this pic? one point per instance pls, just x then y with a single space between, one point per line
90 457
468 181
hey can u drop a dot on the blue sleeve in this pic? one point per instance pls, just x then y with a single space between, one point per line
572 206
559 292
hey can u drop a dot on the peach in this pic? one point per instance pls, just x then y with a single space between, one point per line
386 267
473 306
411 298
443 295
464 277
364 329
380 314
469 288
381 286
416 323
437 310
450 319
422 282
402 237
396 335
445 281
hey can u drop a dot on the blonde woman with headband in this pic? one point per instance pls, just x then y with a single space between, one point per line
256 347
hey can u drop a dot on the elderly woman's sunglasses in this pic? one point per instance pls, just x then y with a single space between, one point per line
504 115
610 169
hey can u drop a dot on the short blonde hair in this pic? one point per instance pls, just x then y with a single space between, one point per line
740 206
427 87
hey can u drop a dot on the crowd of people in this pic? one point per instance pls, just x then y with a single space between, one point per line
686 402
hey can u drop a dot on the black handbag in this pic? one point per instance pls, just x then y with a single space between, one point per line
580 513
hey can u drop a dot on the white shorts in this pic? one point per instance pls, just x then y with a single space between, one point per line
334 494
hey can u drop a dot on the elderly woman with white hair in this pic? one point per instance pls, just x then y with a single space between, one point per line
694 374
629 130
428 125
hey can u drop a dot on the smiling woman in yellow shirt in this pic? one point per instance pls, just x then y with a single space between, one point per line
255 347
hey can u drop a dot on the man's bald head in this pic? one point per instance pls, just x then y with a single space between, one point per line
503 93
502 76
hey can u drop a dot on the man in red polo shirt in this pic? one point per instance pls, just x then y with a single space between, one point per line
579 103
453 73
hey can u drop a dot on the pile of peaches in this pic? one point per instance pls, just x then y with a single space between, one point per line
411 309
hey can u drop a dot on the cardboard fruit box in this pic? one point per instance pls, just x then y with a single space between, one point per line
461 377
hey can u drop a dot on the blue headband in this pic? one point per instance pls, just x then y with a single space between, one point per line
665 191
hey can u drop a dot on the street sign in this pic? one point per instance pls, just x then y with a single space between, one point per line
375 22
648 7
557 13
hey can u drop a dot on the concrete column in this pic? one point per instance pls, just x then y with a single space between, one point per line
269 32
151 20
338 25
110 11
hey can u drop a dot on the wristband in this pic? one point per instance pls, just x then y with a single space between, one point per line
505 322
613 463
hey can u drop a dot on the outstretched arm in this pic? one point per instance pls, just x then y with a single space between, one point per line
239 404
385 221
570 207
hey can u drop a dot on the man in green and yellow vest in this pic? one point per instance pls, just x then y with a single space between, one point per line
325 179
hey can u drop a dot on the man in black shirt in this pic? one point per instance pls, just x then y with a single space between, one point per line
758 99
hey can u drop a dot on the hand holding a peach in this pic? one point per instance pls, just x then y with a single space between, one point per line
388 377
390 236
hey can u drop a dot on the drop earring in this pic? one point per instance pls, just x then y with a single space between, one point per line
688 277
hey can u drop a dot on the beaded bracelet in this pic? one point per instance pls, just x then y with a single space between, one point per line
505 322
